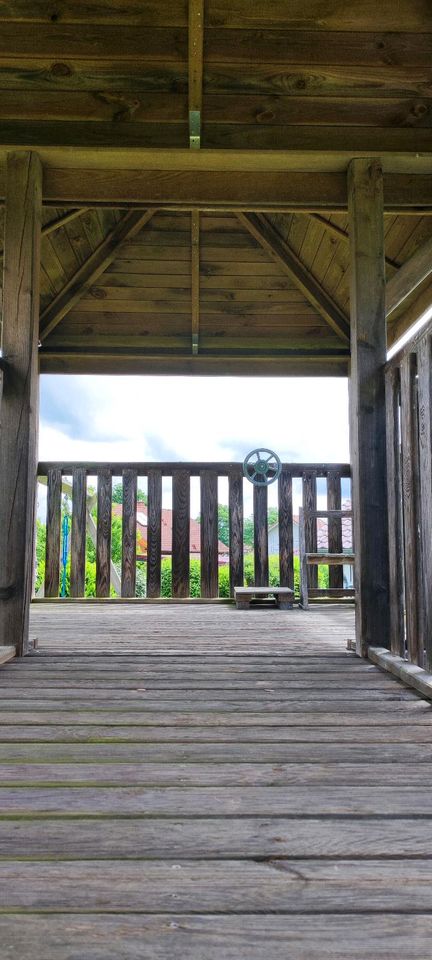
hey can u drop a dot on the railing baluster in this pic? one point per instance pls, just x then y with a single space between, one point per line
209 533
394 507
154 533
286 543
235 497
260 500
310 505
180 533
52 550
103 543
410 483
129 533
335 538
78 535
424 372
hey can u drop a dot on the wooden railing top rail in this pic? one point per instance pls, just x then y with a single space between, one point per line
194 468
409 347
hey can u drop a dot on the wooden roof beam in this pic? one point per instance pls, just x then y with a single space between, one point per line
279 250
53 225
195 53
409 276
195 277
96 264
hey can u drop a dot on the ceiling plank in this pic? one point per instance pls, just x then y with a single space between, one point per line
104 254
344 235
409 276
271 241
195 277
195 54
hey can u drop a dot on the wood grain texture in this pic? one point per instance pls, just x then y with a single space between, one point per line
209 534
335 540
78 531
286 539
52 551
20 395
129 511
103 542
395 521
261 562
235 507
164 771
154 533
424 387
367 402
180 533
410 499
309 499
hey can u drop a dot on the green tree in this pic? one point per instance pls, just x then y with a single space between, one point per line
117 494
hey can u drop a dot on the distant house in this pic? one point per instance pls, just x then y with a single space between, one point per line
166 535
322 541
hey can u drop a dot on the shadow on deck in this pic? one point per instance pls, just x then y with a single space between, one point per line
201 782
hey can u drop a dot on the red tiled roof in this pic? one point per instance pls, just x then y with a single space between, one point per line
166 532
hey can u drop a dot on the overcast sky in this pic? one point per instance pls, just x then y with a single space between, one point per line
193 418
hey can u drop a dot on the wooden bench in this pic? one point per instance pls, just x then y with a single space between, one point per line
283 596
331 559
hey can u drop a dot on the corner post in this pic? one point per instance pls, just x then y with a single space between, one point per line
367 403
20 401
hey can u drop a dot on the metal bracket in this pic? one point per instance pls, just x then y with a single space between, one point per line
195 344
194 129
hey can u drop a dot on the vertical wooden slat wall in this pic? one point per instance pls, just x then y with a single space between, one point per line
129 533
424 374
235 497
394 506
52 549
78 534
410 522
310 505
409 465
180 533
209 533
261 562
335 537
103 542
154 533
286 539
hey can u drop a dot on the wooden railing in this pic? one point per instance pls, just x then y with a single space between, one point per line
409 469
77 474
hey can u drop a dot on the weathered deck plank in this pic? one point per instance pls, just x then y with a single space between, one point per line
208 761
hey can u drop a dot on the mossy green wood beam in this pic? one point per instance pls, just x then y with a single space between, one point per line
20 400
410 275
54 225
279 250
367 403
83 279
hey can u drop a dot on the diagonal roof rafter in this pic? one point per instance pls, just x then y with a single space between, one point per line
96 264
273 243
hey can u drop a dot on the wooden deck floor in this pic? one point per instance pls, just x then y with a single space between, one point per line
210 784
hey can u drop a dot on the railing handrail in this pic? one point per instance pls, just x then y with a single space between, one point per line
193 467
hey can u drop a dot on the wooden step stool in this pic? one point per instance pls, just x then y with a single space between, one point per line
283 596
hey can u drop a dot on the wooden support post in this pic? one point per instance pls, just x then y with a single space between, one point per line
286 545
154 533
209 533
129 533
335 536
367 403
19 408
